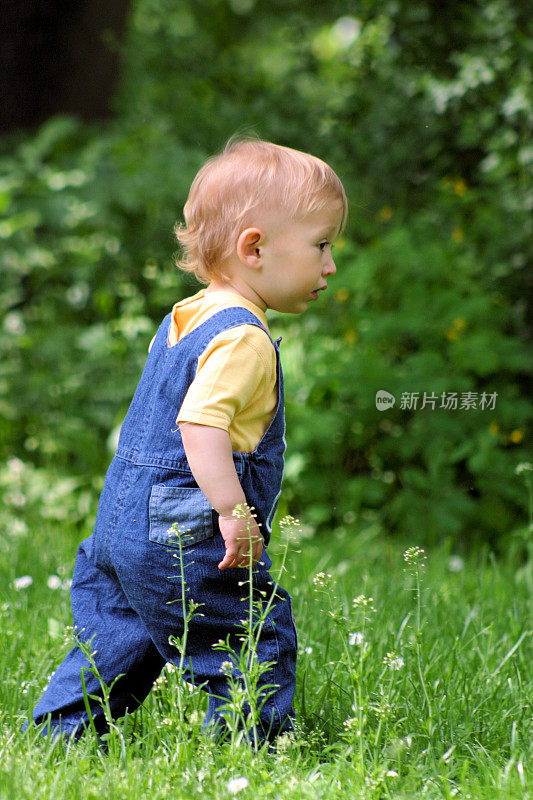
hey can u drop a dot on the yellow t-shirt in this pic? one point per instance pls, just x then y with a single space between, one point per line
235 386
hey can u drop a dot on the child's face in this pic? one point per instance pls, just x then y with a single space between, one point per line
296 259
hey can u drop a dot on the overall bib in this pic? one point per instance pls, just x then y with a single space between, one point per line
126 588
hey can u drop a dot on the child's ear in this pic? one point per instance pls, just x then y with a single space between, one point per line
249 248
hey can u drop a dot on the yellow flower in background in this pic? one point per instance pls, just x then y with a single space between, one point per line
458 234
340 243
494 427
456 327
459 187
350 336
341 295
516 436
385 214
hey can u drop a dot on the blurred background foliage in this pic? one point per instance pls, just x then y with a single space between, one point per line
425 112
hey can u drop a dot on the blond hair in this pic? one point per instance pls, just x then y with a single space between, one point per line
247 175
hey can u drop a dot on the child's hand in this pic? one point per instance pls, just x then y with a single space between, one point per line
237 533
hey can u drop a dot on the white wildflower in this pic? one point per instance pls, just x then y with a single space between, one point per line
525 466
54 582
362 601
455 564
236 785
414 555
351 724
285 741
15 465
321 578
22 583
393 661
356 638
308 650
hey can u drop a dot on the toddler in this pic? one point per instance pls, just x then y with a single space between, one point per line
205 432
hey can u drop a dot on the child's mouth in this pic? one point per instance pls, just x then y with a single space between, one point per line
314 295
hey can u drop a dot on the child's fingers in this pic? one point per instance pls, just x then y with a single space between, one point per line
231 556
240 557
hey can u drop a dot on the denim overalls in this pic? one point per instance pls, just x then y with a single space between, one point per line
126 577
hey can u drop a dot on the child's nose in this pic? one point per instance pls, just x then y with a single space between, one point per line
330 268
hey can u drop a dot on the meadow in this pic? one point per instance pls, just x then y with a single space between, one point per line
414 677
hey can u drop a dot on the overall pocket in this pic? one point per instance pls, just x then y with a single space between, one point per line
187 507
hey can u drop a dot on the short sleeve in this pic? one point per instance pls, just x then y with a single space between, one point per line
234 371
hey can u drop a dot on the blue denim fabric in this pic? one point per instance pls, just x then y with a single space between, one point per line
126 577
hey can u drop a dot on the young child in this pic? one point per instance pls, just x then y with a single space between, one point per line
205 432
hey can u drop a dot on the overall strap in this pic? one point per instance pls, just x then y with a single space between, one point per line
161 338
198 339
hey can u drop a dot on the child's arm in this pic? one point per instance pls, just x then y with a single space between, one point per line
210 458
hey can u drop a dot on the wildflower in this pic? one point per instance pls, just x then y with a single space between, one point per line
459 187
17 527
385 214
356 638
384 709
22 583
321 578
341 295
54 582
362 601
351 724
414 555
525 466
285 741
391 773
455 564
372 783
308 650
236 785
350 336
15 498
242 510
289 521
393 661
15 465
226 668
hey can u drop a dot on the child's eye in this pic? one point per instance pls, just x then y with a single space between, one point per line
322 245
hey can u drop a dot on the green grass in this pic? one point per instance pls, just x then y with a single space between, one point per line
419 689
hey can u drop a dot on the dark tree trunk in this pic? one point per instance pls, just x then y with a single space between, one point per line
59 56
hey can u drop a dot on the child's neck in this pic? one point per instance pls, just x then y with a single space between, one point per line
245 292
